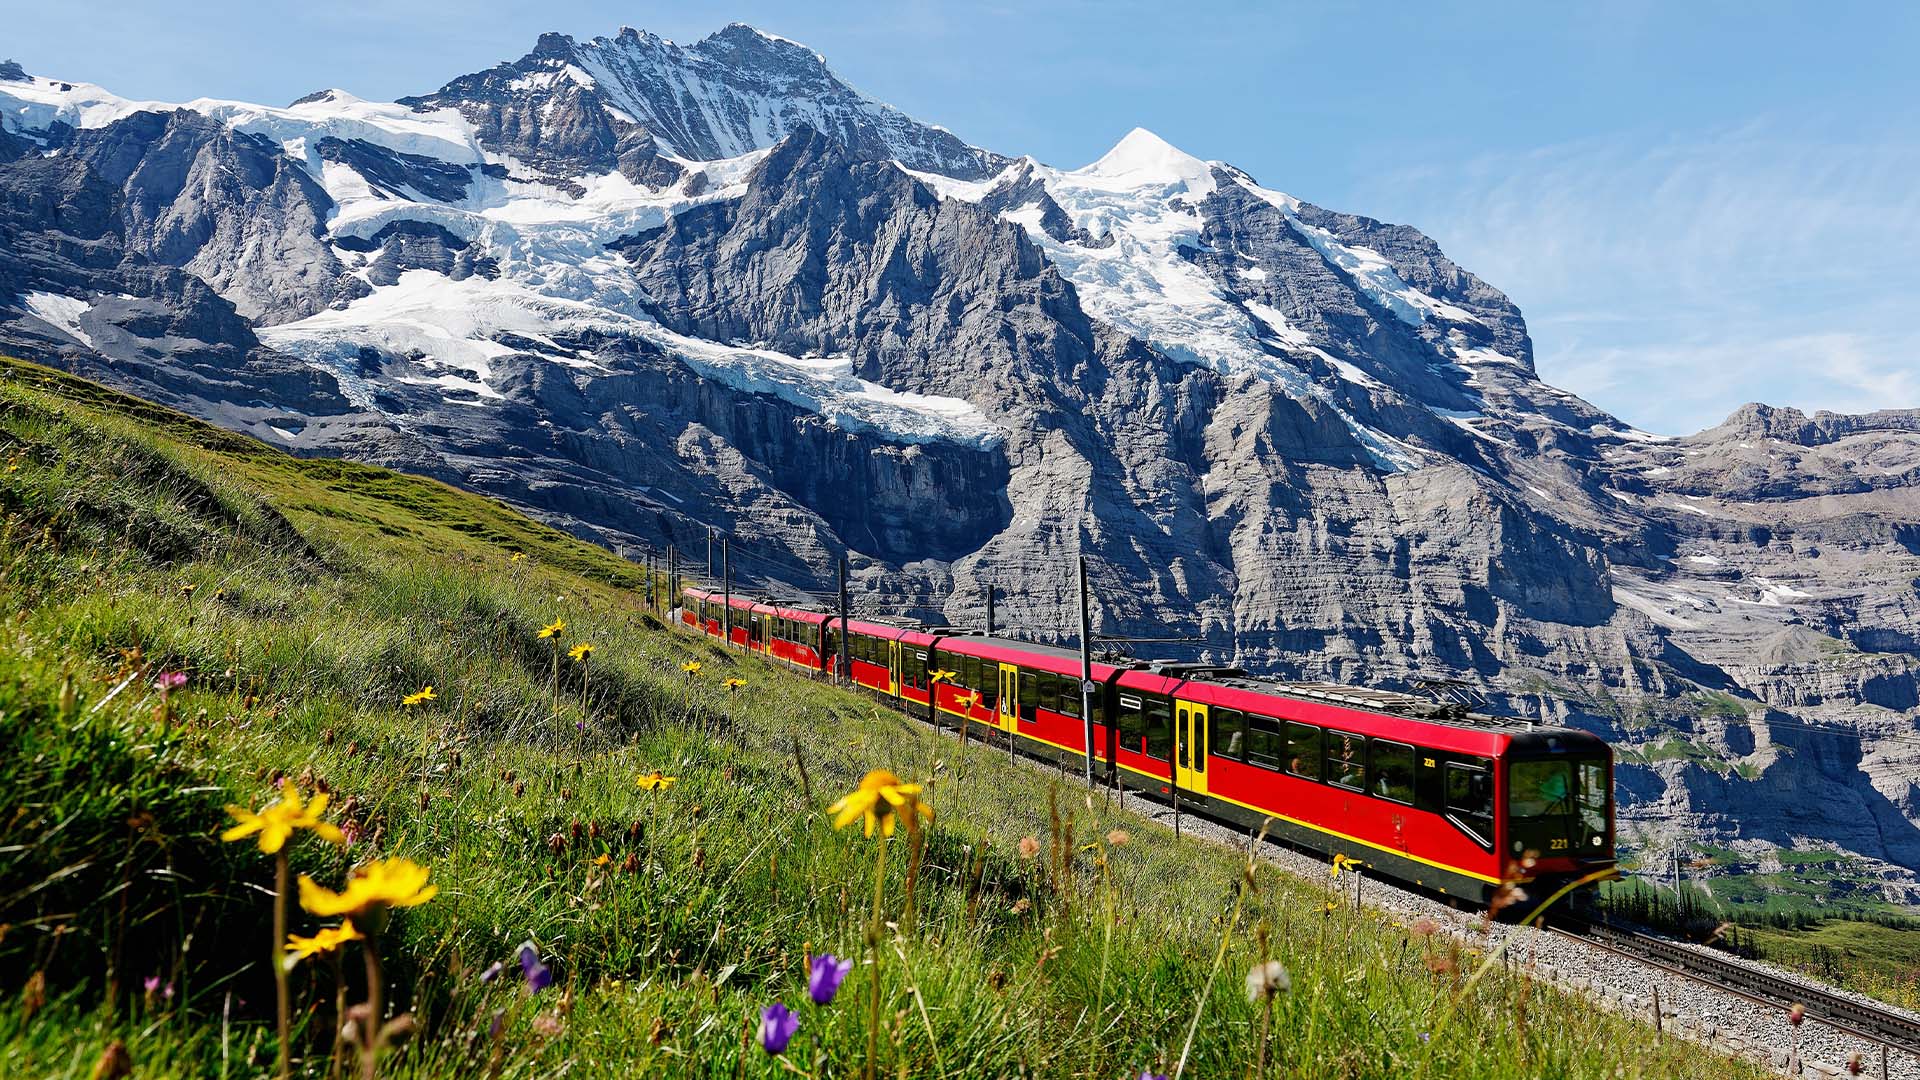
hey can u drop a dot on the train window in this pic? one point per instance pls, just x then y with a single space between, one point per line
1540 788
1303 750
1069 696
1347 759
1050 693
833 644
1133 723
1470 799
1159 729
1593 802
1029 699
1227 733
1264 747
1392 771
969 672
990 685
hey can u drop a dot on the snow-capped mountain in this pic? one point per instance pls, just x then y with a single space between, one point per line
642 288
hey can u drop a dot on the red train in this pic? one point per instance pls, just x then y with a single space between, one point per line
1423 792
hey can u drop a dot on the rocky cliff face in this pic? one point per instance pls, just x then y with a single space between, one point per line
645 289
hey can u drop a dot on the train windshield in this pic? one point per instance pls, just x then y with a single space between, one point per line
1558 806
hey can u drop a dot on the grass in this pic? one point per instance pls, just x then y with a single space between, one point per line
305 599
1718 703
1881 961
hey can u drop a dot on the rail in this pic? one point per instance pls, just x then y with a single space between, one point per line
1857 1018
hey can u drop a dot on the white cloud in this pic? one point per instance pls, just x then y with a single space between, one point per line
1672 280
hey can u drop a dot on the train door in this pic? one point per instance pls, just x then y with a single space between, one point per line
1190 746
1009 697
893 667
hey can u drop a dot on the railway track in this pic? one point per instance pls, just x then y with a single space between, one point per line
1856 1018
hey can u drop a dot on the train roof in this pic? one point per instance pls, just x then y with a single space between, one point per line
1060 660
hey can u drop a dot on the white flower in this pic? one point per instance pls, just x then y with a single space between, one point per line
1268 979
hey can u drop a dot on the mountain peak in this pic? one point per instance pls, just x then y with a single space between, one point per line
734 91
1143 159
11 71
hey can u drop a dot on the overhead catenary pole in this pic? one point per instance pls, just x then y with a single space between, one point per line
709 582
726 576
990 591
840 665
673 577
1086 665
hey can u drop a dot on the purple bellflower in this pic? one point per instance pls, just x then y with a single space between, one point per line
777 1025
824 980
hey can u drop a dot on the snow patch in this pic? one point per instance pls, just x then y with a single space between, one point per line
1653 609
828 387
61 312
1276 321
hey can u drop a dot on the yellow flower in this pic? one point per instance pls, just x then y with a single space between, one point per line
277 821
426 694
691 667
1329 907
580 651
654 781
881 799
602 859
1346 862
327 940
371 890
554 629
516 556
941 675
734 684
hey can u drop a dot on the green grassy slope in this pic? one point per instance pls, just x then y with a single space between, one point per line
305 599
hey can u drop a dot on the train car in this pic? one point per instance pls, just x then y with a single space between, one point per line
887 656
792 635
796 636
1429 794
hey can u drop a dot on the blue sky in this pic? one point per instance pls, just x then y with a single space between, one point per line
1696 205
